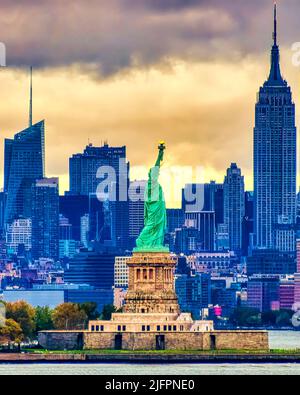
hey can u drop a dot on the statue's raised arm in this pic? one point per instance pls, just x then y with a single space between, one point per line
160 157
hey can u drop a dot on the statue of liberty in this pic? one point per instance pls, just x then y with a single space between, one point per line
152 236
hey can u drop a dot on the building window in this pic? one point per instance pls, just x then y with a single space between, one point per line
148 328
175 328
124 328
101 328
165 328
119 328
97 328
143 328
181 328
93 328
170 328
144 274
138 274
158 328
151 274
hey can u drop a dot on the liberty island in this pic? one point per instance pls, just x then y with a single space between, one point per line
151 317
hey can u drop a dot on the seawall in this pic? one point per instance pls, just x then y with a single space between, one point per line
150 358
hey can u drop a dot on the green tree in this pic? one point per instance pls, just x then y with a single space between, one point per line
43 319
246 316
24 314
107 311
90 309
269 318
284 318
11 333
69 316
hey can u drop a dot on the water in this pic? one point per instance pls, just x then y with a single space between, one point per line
284 340
278 340
151 370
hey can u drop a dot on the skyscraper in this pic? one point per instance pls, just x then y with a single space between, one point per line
234 206
204 222
274 157
24 162
45 219
204 197
74 207
84 168
108 164
136 213
24 158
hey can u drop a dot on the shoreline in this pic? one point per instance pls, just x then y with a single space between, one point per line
140 358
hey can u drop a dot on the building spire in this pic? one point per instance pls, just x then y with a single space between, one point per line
30 100
275 24
275 78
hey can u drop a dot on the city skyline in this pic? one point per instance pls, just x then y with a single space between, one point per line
195 129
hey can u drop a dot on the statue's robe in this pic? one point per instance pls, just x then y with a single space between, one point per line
152 236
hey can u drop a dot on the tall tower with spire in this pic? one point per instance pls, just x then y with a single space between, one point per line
275 159
30 100
24 163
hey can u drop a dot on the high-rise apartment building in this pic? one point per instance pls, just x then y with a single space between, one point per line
234 206
45 218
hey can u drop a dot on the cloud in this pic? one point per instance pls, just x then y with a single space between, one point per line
119 34
186 72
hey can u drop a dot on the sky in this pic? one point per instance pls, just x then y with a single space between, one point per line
134 72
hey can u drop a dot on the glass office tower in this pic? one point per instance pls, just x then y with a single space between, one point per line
24 162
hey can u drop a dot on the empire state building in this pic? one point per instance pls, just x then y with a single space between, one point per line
275 160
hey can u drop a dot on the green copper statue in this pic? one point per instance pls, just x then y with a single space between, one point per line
152 236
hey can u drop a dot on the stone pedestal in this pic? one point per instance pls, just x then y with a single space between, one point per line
151 284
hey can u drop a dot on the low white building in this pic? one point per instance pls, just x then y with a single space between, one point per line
19 233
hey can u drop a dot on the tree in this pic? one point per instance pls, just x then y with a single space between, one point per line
269 318
43 319
69 316
90 309
23 314
2 313
107 311
284 318
11 333
246 316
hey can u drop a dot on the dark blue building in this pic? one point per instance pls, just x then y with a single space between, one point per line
24 162
209 196
107 165
194 293
74 207
92 268
101 297
45 218
175 219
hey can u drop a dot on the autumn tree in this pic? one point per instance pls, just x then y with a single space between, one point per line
69 316
23 314
11 333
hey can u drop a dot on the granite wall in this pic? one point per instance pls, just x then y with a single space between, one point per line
217 340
